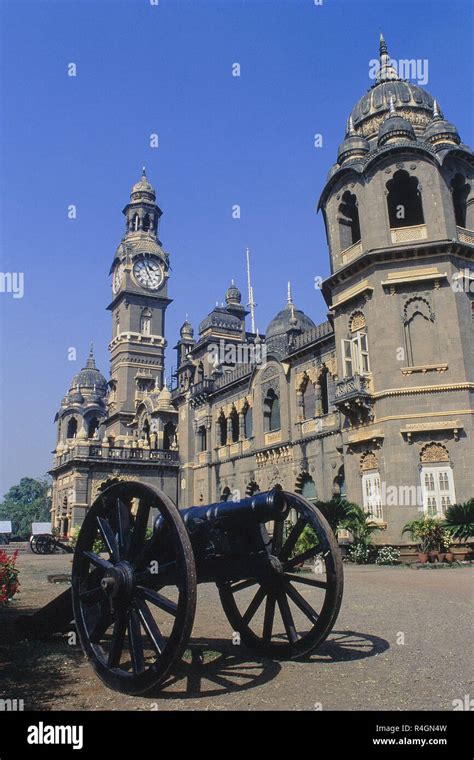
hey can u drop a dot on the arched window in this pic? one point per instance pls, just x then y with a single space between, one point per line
460 190
222 429
420 334
146 431
72 428
145 322
234 418
348 217
339 484
92 427
271 411
169 436
135 222
225 494
437 481
146 223
202 438
405 208
323 384
308 489
309 400
248 422
199 372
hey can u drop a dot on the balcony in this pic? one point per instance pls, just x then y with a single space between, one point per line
351 253
353 397
201 390
465 236
84 452
408 234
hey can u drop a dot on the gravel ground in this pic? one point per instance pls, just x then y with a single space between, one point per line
402 642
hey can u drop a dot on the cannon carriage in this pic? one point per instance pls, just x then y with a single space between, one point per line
134 590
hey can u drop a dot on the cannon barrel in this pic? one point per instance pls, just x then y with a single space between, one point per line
265 506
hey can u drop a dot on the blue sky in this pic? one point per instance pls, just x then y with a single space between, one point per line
223 140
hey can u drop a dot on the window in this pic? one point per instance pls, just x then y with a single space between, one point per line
420 334
348 217
248 422
355 353
371 493
308 489
437 484
404 201
222 430
72 428
271 412
323 384
309 401
202 439
92 427
460 190
169 436
225 494
234 419
146 223
145 322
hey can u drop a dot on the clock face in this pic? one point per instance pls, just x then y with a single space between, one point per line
148 273
117 278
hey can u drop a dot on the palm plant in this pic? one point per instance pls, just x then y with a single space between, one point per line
459 520
426 531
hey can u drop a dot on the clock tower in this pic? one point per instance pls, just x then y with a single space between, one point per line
140 271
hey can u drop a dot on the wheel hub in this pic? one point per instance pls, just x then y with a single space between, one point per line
118 581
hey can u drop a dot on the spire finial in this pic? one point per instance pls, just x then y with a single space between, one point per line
437 113
90 359
383 45
289 296
350 126
143 171
386 70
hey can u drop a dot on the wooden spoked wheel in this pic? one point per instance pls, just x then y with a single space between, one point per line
290 609
134 597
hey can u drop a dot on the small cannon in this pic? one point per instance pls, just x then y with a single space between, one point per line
134 595
45 543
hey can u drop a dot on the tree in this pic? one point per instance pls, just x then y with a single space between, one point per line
25 503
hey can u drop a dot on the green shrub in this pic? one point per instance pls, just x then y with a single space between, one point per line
388 555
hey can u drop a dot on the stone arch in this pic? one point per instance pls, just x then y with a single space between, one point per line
404 203
420 338
357 321
71 427
460 190
348 218
434 452
226 492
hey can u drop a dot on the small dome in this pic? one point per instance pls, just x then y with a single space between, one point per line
186 330
353 146
221 319
143 187
439 130
233 295
395 127
89 379
286 321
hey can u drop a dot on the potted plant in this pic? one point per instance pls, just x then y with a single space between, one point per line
427 532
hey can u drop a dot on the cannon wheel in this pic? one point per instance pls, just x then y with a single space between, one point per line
267 624
130 630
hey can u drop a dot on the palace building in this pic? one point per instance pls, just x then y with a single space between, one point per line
375 404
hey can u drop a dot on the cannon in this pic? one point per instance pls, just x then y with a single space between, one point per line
45 543
133 590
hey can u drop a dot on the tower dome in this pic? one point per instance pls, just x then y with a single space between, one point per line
439 130
233 294
89 379
142 189
413 103
353 146
287 320
395 127
186 330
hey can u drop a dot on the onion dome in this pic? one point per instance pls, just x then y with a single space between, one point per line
186 331
354 146
416 104
233 295
143 190
89 379
395 128
288 320
439 130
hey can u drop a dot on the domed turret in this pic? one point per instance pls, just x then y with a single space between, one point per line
233 295
89 379
143 190
353 146
395 128
286 321
186 330
440 131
